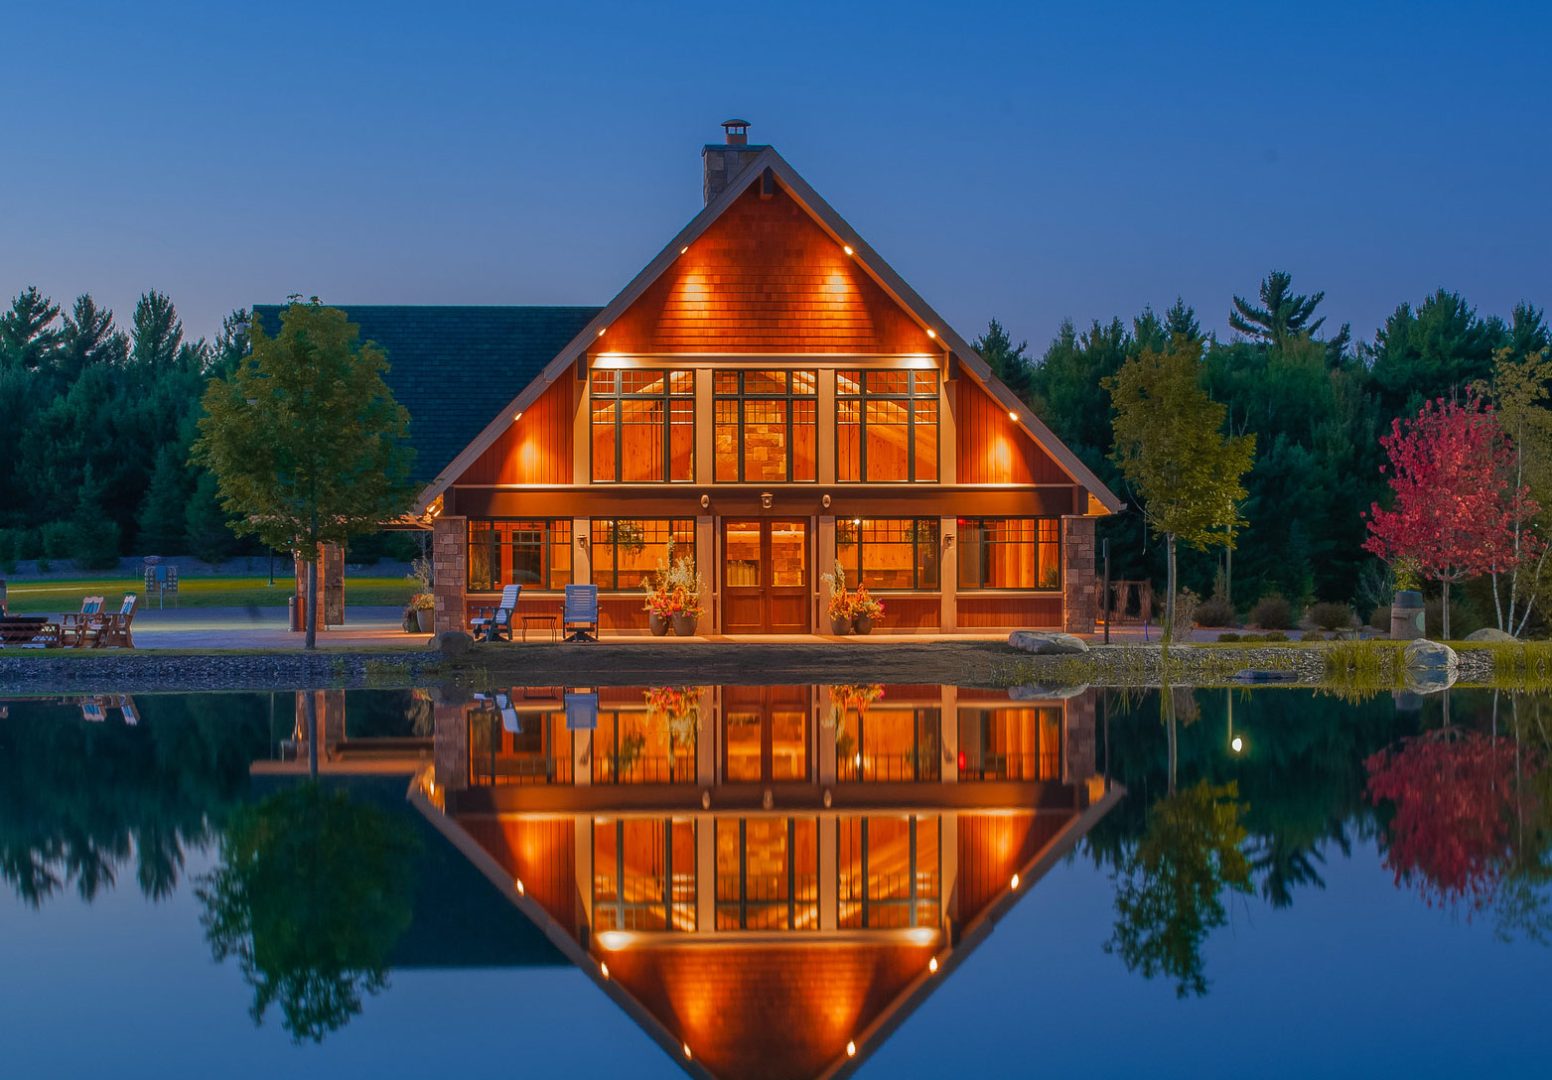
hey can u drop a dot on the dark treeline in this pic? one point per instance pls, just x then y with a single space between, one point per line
98 421
1316 401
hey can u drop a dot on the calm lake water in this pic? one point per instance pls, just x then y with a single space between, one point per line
1268 883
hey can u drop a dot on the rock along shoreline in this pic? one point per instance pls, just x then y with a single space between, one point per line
964 663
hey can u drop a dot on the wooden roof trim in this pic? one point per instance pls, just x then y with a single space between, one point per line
872 264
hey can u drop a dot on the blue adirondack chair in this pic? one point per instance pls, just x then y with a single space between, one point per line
580 621
494 623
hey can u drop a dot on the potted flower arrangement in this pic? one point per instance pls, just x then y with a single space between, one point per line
678 709
673 595
865 610
423 607
839 609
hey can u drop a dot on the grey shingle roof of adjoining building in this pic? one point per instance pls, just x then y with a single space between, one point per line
455 368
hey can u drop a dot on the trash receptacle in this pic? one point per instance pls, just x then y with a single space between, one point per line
293 613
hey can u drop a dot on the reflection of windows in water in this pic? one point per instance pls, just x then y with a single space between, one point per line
537 752
636 746
889 744
889 872
767 874
644 874
1010 743
533 553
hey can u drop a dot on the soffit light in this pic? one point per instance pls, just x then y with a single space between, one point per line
847 248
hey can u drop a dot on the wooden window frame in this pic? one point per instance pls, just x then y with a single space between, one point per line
597 528
963 527
619 396
551 528
916 543
909 398
790 397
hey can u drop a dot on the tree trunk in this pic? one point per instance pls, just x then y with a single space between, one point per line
312 600
1444 617
1169 598
310 700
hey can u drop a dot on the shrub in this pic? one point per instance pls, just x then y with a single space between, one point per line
1185 610
1332 616
58 540
1272 612
1379 618
1215 611
95 544
1229 637
1274 635
1314 635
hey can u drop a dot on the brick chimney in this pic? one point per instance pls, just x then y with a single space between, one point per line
725 160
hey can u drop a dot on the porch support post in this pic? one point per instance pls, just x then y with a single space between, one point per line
949 733
948 852
829 872
825 451
582 852
1080 601
450 570
824 563
706 872
948 574
581 552
707 565
1079 738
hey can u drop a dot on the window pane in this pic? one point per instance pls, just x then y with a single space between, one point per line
726 440
535 554
848 382
765 440
805 382
1010 744
484 557
886 434
848 440
765 382
925 436
725 382
1004 553
805 433
604 435
627 550
789 745
742 740
888 382
742 554
641 440
789 554
681 445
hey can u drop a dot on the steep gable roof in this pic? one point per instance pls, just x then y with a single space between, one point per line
454 367
768 160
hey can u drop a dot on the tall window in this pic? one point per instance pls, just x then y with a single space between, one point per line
767 874
535 554
890 744
635 746
765 426
889 872
643 426
888 553
886 425
1010 553
626 551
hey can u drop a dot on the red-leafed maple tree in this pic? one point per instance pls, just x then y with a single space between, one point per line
1456 504
1454 792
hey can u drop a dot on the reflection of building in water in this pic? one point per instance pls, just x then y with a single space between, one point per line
767 878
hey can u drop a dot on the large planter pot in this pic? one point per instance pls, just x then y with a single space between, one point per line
426 620
657 624
839 624
684 625
862 624
1406 616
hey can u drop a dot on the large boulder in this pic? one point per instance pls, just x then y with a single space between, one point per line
453 643
1490 633
1047 643
1430 666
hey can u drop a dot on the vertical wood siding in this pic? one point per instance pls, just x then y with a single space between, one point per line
995 450
535 449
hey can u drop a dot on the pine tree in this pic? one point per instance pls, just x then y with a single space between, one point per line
208 528
158 333
1282 313
89 337
1006 359
163 517
28 335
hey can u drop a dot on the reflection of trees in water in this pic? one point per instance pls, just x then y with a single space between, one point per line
312 892
1469 824
79 800
1169 891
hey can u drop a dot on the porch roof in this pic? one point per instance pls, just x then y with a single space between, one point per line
455 367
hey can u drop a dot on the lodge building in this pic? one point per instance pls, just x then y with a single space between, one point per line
770 396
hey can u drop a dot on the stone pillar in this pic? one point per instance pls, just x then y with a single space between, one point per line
450 746
1079 737
1080 597
450 571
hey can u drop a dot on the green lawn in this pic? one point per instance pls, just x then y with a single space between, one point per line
64 594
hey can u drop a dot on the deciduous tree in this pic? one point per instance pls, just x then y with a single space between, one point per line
1456 510
1170 446
305 439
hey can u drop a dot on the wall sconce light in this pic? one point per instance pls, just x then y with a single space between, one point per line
583 540
705 502
948 541
766 498
824 501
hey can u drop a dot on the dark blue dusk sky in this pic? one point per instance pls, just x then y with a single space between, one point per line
1025 161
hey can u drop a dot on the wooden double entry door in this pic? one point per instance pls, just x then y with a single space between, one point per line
767 565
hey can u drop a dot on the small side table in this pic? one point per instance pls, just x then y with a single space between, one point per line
549 620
